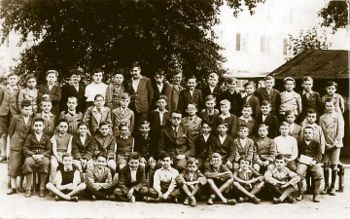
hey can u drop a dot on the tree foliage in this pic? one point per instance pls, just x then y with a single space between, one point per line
172 35
307 40
335 14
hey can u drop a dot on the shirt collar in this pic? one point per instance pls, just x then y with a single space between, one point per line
157 110
247 171
311 92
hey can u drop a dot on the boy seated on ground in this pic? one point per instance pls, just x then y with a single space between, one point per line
132 184
99 180
190 182
164 182
219 179
281 180
247 181
67 181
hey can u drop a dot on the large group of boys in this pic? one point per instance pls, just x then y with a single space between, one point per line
154 140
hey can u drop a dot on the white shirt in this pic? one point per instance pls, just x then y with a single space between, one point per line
38 137
160 87
264 118
26 119
206 136
222 139
287 145
92 89
211 89
135 83
82 139
161 115
133 175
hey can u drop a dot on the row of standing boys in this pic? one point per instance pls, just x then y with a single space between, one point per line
151 139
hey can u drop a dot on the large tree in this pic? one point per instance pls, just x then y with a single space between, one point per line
172 35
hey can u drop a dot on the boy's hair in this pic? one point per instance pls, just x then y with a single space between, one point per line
97 96
308 78
230 80
223 123
144 122
163 97
269 78
328 99
288 79
52 72
263 126
284 123
160 73
103 123
331 83
123 124
28 77
213 75
193 104
204 121
191 77
12 74
210 97
125 96
26 103
251 83
164 155
134 156
75 71
38 120
309 127
247 105
288 113
82 123
225 102
265 103
243 126
62 120
45 99
311 111
245 158
176 112
136 64
72 98
101 154
280 157
66 155
97 70
192 160
215 155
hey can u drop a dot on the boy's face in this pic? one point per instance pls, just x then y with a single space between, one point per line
177 79
75 79
192 167
247 112
329 106
99 102
83 130
63 127
159 78
265 109
118 79
250 89
104 130
101 162
134 164
31 83
191 83
216 161
191 110
307 85
222 129
212 81
12 80
279 164
125 102
269 84
161 104
210 104
244 165
224 108
262 132
231 86
72 104
308 134
46 106
331 90
289 85
124 131
67 162
290 118
206 129
166 162
243 132
311 118
51 78
38 127
176 119
97 77
27 111
284 130
136 73
144 128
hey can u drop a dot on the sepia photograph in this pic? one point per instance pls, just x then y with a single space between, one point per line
174 109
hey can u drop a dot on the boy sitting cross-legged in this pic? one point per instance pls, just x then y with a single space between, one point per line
67 182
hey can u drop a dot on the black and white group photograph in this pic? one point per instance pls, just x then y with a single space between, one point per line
174 109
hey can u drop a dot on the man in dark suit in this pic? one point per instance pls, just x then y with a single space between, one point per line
161 87
176 140
190 95
269 93
141 91
74 89
132 183
212 88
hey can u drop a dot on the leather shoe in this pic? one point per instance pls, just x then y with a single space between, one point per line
42 193
276 200
231 201
210 201
300 197
256 200
12 191
332 191
193 201
316 198
187 201
28 193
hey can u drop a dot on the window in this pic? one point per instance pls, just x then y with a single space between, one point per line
238 42
285 47
241 42
264 44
